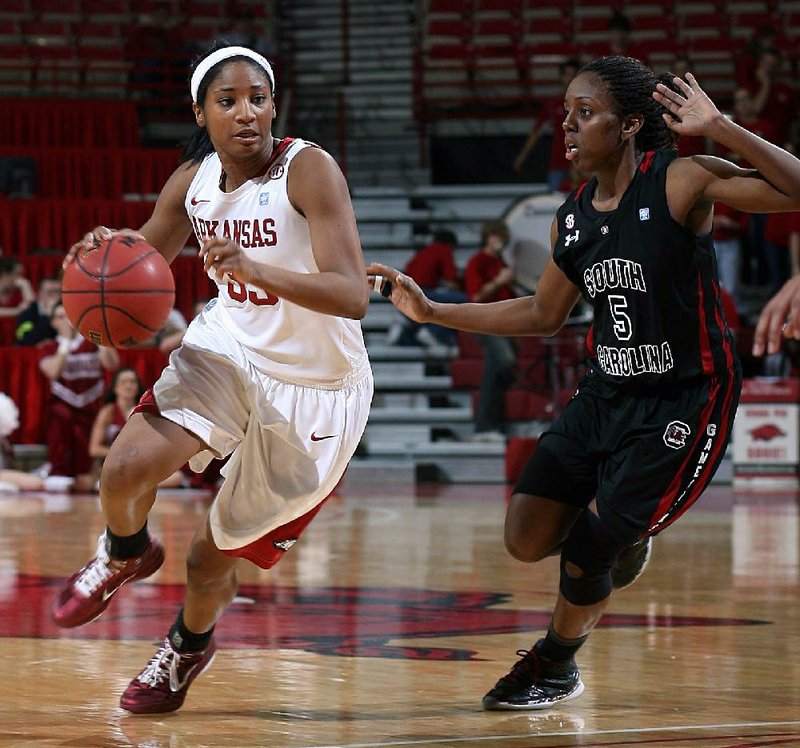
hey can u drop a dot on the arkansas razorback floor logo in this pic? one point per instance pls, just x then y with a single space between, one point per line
344 621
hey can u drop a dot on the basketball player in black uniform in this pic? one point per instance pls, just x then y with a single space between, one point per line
648 427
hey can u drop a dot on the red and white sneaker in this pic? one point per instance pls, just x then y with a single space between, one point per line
88 592
163 684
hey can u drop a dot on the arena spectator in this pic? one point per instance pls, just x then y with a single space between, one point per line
123 395
487 278
75 368
548 124
34 323
433 267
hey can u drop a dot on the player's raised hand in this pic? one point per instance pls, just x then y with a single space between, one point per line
405 294
779 319
92 239
690 111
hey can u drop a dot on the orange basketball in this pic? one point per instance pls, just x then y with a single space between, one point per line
120 293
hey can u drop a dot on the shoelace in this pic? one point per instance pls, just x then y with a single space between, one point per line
94 575
96 572
163 663
524 670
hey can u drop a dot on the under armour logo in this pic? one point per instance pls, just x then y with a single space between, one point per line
569 238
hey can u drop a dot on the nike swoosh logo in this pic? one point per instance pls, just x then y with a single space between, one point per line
315 438
195 201
181 683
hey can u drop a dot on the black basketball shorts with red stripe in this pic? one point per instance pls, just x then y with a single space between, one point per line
645 453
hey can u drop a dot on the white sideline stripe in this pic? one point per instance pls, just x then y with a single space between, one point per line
565 733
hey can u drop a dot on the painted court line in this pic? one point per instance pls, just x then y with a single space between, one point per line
573 733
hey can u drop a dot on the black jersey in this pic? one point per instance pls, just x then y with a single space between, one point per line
652 283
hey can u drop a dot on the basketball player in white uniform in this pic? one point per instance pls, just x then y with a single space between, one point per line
273 373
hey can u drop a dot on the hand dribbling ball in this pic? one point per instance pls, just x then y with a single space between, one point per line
119 293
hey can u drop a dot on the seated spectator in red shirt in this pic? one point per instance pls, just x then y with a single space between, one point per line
433 267
75 368
488 278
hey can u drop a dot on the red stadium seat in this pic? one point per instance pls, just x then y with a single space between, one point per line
540 29
206 13
105 34
46 33
510 9
107 10
57 10
56 70
439 31
16 69
14 10
10 32
451 8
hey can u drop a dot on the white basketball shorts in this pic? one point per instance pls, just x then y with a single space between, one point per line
289 443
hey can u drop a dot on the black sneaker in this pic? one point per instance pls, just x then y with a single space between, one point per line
535 683
630 564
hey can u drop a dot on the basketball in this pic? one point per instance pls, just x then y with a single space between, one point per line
120 293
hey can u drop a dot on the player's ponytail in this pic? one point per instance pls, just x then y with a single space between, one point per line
630 85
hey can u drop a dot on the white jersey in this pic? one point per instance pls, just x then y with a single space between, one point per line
282 339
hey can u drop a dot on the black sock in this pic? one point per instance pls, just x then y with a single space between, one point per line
555 647
130 546
183 640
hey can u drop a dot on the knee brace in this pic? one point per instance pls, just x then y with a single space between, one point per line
591 549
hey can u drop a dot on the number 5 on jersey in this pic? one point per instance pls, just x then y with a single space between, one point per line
623 327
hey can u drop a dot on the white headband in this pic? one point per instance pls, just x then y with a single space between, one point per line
223 54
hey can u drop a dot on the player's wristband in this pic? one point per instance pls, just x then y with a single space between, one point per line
64 346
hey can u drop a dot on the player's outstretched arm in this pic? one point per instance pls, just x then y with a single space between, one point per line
542 314
779 319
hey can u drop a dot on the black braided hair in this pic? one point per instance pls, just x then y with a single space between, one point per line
199 145
630 86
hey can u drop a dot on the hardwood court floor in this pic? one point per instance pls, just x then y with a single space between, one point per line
392 616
